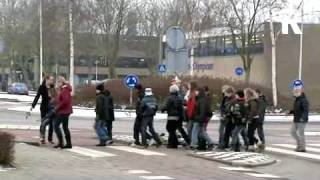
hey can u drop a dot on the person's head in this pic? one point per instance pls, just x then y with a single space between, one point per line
61 81
138 87
99 88
174 89
48 80
297 92
193 86
229 92
224 88
258 91
148 92
250 94
240 94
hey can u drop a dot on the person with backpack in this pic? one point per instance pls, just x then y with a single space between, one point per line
252 116
227 116
174 109
201 114
301 116
148 109
238 111
262 104
102 115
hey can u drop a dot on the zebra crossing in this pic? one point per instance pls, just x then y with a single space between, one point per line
313 151
251 172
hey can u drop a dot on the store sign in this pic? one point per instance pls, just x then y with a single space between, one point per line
201 67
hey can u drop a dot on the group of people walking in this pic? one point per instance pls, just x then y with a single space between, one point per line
188 108
55 108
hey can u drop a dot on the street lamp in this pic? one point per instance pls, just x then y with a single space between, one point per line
96 62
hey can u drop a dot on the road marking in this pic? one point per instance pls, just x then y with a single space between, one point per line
236 168
8 103
90 152
20 127
293 147
312 133
139 172
290 152
156 177
137 151
258 175
316 145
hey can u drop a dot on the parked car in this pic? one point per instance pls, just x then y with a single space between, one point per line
18 88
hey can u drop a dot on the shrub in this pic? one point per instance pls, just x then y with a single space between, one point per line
160 85
6 148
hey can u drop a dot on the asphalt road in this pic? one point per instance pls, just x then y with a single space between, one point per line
176 164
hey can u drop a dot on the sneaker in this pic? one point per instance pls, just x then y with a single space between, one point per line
210 147
69 146
301 150
109 142
100 145
59 146
51 142
42 141
135 144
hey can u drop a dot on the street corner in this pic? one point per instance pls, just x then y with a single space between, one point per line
244 159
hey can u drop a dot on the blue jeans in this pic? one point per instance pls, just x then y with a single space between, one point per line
222 128
239 130
199 131
101 130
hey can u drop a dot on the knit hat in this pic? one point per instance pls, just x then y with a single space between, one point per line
174 88
240 94
100 87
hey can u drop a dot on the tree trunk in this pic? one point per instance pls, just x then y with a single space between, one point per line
247 75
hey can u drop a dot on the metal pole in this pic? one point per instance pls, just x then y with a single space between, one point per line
301 41
192 61
71 45
96 71
274 63
131 98
41 41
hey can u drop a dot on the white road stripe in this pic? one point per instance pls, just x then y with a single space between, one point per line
258 175
90 152
137 151
139 172
156 177
290 146
312 133
21 127
316 145
236 169
290 152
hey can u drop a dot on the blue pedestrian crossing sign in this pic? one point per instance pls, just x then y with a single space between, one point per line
162 68
239 71
297 84
131 81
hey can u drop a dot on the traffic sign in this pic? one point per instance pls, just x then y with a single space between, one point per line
162 68
297 84
131 81
239 71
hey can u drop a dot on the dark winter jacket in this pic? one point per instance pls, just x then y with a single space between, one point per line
64 106
226 109
43 92
110 105
174 107
238 111
262 104
301 109
222 105
202 108
148 106
102 107
138 104
252 110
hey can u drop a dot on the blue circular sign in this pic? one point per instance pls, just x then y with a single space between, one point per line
297 84
239 71
131 81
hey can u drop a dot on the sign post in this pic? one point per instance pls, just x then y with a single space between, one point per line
239 71
131 81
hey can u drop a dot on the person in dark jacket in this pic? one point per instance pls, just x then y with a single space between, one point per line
148 109
138 120
227 116
262 106
301 116
174 108
238 111
252 116
109 123
43 92
201 113
102 115
63 111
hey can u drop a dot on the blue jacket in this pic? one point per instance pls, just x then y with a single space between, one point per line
301 109
148 106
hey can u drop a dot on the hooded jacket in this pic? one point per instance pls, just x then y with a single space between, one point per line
148 106
174 107
202 108
102 107
64 106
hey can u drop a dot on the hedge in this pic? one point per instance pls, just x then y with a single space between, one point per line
6 148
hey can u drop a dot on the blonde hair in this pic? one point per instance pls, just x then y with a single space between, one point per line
250 94
224 88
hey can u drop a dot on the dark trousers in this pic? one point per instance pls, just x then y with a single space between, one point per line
251 131
147 122
228 132
183 132
109 125
64 120
137 129
43 113
172 126
261 132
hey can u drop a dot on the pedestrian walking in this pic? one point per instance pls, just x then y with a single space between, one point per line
201 114
174 109
252 117
262 106
301 116
222 124
102 115
148 109
210 114
138 120
238 111
109 123
43 92
63 110
191 106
